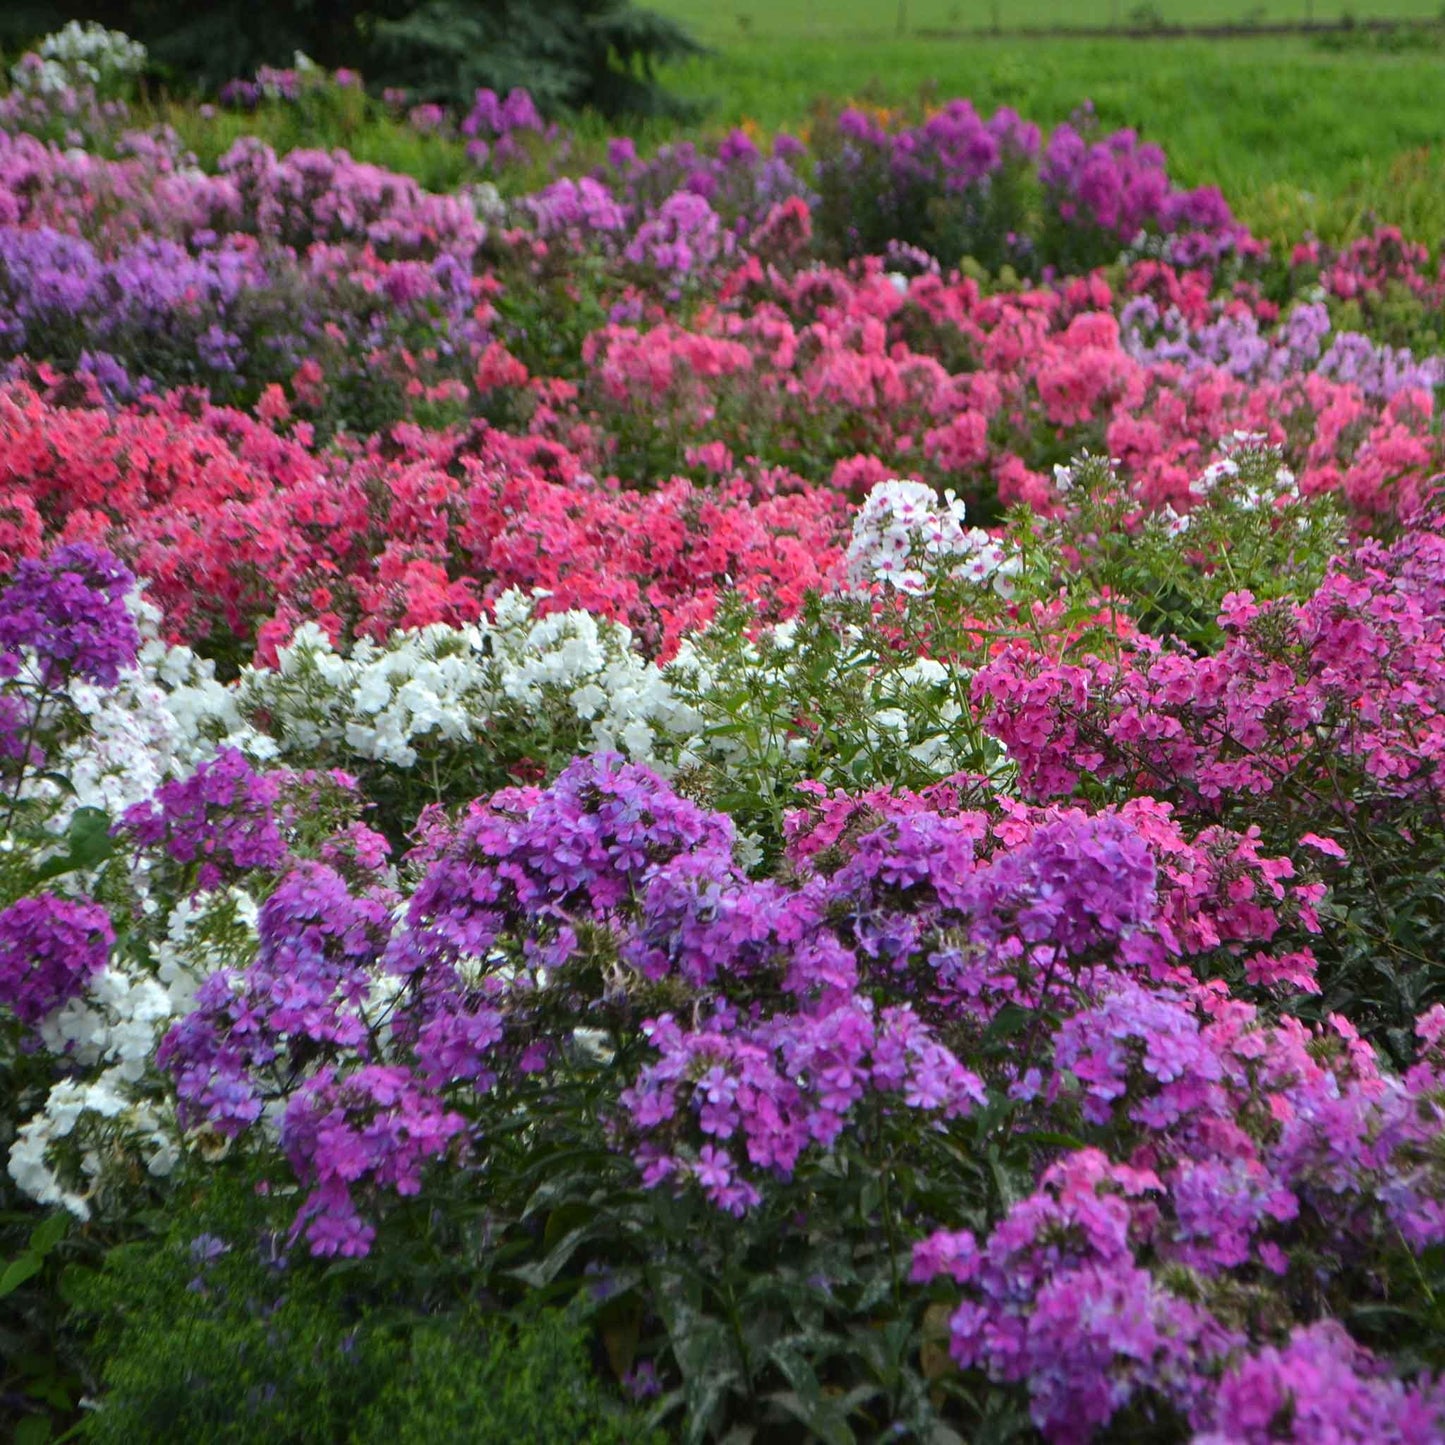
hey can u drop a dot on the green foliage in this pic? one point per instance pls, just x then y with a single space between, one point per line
1249 531
831 696
210 1332
39 1376
929 21
569 54
1395 316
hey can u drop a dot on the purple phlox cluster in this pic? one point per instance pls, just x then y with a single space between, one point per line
1318 1386
827 820
312 195
1234 343
1071 888
580 207
1354 1140
271 83
429 117
51 283
736 179
1120 185
703 924
457 1043
318 958
1343 1140
1379 370
1055 1301
682 236
376 1126
492 116
50 949
733 1094
1081 883
528 858
222 819
956 148
903 881
74 111
1248 1129
997 908
18 752
1151 1030
69 610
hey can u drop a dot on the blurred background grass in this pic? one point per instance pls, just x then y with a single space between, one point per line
717 21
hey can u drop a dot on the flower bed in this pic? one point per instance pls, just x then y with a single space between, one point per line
652 745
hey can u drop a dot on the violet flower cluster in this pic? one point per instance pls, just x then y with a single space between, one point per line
50 949
1121 186
1234 342
68 612
219 822
498 955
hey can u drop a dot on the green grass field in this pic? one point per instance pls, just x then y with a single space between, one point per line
723 20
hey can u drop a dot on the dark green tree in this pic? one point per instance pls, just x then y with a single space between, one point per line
570 54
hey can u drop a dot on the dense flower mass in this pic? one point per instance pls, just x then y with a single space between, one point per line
634 734
49 949
67 616
221 817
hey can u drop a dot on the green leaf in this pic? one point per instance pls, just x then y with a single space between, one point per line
90 844
546 1270
49 1232
27 1266
805 1401
706 1394
33 1430
1011 1019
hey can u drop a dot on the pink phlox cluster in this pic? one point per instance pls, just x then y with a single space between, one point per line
1297 689
1318 1386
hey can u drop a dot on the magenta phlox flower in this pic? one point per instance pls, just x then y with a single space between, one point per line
222 819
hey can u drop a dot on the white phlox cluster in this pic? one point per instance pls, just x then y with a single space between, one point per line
438 686
1252 469
905 537
79 53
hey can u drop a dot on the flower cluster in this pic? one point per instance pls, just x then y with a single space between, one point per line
903 538
220 821
66 616
50 948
